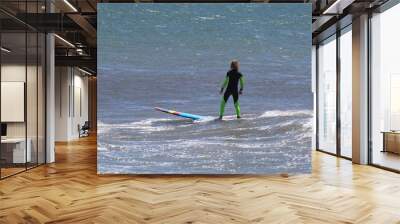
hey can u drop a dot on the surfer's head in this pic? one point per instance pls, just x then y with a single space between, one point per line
235 64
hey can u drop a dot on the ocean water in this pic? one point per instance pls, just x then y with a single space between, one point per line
176 56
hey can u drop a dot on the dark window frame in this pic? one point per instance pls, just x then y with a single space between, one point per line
338 33
30 30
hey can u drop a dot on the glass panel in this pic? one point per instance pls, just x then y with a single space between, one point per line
327 95
13 88
23 90
31 86
41 98
31 100
346 92
385 89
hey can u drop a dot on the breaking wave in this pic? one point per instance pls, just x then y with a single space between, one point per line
287 113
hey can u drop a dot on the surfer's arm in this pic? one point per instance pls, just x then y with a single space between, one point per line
224 84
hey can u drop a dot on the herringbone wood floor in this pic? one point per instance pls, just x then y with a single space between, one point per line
70 191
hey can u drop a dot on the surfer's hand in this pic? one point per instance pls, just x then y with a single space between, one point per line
240 92
221 91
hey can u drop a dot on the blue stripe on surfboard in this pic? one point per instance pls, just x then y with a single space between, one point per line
191 116
180 114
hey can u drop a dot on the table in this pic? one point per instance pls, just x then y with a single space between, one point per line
391 141
16 147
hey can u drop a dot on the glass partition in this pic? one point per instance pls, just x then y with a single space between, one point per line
31 99
23 91
327 95
385 89
346 92
41 97
13 105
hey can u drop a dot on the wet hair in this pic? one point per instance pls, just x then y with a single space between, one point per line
235 64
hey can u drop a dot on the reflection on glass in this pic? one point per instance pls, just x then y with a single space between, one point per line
31 100
327 95
41 98
14 150
22 92
346 92
385 90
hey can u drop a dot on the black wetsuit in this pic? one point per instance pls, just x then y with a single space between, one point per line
232 88
232 79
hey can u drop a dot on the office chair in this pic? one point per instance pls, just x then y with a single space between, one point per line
84 130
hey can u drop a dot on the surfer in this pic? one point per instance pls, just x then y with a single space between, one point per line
230 84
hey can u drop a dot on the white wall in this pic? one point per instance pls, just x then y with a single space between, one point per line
13 72
9 73
62 81
33 126
17 73
80 110
13 101
71 94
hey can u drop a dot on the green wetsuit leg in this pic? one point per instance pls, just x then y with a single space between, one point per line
237 105
222 107
235 95
237 108
223 100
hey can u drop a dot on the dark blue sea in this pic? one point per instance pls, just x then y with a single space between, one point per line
176 56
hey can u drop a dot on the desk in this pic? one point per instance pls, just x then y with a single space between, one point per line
16 147
391 141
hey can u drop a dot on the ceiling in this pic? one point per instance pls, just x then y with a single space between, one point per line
331 15
75 22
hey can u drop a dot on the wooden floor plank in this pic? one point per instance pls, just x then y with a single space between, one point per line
70 191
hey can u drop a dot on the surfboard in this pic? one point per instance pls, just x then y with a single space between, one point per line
179 114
